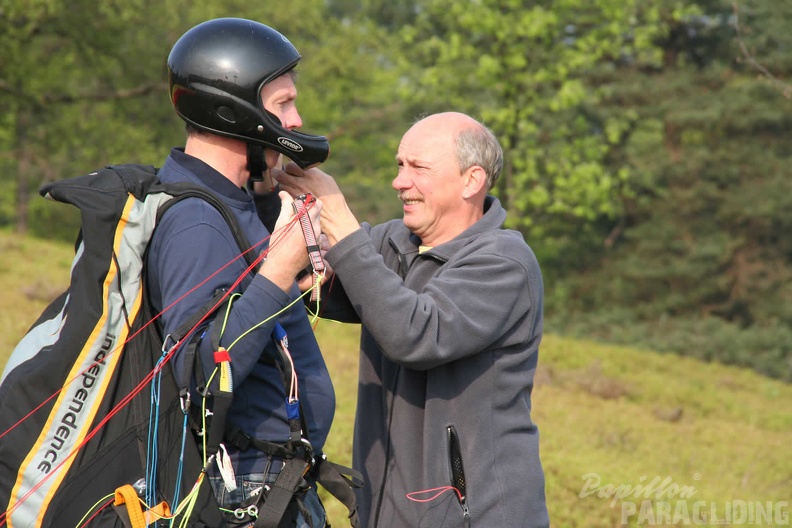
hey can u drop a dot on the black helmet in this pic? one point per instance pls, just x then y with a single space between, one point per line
216 71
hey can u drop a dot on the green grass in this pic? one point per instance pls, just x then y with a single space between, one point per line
616 414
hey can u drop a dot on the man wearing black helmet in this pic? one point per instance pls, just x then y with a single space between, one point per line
231 80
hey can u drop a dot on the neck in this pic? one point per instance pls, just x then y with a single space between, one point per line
227 156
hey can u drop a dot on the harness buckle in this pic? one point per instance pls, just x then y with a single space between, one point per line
184 400
309 454
166 340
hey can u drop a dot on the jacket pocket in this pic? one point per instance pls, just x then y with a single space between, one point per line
457 470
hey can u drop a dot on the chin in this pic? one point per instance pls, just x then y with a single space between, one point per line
409 225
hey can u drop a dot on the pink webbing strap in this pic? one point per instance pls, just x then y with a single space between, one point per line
314 253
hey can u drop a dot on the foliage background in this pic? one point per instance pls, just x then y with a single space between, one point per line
646 157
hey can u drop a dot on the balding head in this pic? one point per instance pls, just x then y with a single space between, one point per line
473 143
448 122
443 179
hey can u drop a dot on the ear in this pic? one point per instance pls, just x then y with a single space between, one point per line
475 179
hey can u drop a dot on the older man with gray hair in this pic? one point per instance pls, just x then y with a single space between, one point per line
450 304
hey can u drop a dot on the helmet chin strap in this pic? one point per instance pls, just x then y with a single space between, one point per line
255 162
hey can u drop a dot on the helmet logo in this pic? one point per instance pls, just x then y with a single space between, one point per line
289 144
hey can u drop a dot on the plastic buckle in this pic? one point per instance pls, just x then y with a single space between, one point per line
239 439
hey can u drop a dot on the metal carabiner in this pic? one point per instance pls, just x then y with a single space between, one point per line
165 347
184 399
309 456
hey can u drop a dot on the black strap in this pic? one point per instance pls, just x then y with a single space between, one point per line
183 329
236 437
289 481
340 482
255 162
221 399
181 191
192 369
191 347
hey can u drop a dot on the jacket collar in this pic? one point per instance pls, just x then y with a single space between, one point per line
202 173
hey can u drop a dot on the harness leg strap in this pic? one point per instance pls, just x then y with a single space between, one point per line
333 477
281 494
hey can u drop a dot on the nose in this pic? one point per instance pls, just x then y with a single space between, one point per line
402 181
292 119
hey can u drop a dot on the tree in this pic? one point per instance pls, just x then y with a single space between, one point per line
522 69
84 85
702 264
68 71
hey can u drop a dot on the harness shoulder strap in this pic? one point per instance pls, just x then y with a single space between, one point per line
191 367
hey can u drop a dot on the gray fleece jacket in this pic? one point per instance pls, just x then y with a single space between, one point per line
449 348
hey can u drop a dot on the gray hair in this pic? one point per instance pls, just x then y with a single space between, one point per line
478 146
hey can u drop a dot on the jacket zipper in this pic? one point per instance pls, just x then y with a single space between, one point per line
458 471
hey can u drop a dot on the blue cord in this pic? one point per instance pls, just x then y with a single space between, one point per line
181 467
152 451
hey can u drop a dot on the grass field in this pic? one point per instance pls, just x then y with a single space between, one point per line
628 437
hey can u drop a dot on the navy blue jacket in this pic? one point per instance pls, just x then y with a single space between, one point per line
191 243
